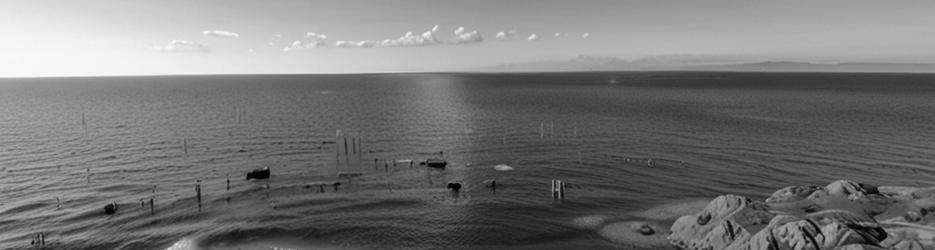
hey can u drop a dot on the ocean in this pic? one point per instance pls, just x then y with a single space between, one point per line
623 142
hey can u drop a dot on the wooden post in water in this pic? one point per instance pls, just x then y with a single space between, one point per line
89 175
561 190
152 202
541 129
337 151
360 152
558 189
551 129
553 189
347 160
198 193
58 203
228 188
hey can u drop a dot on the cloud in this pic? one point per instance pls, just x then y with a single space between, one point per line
355 44
181 46
303 45
585 35
503 35
469 37
220 34
410 39
316 36
532 37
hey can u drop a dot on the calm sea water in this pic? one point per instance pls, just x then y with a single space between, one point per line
707 133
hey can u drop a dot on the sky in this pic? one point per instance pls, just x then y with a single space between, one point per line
156 37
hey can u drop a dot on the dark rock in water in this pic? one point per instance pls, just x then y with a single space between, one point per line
645 229
262 173
110 208
454 186
436 163
842 215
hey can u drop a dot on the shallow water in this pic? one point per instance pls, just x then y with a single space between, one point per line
707 134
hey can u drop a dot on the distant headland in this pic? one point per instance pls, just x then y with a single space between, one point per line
704 63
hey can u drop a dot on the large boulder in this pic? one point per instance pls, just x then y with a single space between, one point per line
726 219
842 215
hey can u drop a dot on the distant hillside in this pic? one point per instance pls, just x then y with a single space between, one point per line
814 67
703 63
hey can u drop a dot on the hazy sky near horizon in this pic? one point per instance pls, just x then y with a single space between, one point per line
128 37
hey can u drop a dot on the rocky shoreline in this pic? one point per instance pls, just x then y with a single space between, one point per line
841 215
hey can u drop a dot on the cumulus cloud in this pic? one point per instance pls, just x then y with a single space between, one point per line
469 37
532 37
220 34
503 35
585 35
303 45
411 39
355 44
316 36
181 46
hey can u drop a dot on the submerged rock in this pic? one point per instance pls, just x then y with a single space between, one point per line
589 222
842 215
634 233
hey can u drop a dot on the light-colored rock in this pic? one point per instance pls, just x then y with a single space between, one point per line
792 193
724 221
841 215
502 167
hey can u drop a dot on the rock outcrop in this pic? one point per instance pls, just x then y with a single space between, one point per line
841 215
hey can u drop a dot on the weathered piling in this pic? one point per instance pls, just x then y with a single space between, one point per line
551 129
541 129
89 175
152 202
198 193
347 160
337 150
558 190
